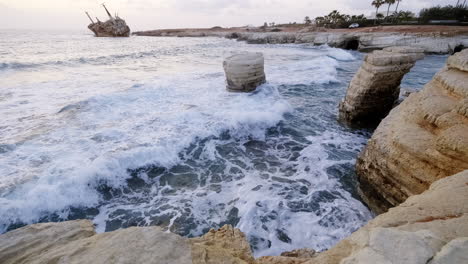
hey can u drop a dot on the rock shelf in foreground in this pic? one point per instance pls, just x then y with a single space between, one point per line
375 88
422 140
431 228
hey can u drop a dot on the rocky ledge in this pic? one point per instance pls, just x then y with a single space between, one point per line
422 140
437 41
428 228
363 41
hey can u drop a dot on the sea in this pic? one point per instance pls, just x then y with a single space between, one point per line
141 131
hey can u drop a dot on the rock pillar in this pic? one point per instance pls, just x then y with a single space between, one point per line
422 140
376 86
244 72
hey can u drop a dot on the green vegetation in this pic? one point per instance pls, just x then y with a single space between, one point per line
335 19
444 13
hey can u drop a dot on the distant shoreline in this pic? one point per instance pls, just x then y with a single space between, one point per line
434 39
424 29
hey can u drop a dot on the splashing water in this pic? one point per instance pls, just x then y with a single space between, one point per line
141 131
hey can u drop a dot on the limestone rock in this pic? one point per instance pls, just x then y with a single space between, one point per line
453 253
226 245
297 256
299 253
431 43
76 242
244 72
376 86
422 140
432 225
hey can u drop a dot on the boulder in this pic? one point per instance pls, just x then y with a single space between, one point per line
422 140
375 88
244 72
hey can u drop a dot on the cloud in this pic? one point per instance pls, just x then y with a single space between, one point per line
152 14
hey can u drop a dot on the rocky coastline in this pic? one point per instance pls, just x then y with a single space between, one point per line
414 172
433 42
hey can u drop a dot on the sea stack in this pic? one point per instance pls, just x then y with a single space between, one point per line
114 27
244 72
376 86
422 140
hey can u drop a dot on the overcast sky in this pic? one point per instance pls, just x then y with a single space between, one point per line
154 14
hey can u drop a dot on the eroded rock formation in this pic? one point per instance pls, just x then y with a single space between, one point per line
428 228
376 86
422 140
76 242
424 229
244 72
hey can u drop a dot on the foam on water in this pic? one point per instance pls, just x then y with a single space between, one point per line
143 132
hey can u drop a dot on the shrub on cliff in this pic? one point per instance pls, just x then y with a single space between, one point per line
444 13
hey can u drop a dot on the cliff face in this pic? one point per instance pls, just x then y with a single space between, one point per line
422 140
431 43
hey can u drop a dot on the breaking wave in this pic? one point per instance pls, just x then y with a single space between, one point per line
146 134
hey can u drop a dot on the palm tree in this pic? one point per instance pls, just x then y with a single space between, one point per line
396 10
390 3
405 15
398 4
377 4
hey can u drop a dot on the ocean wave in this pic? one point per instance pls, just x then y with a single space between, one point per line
142 126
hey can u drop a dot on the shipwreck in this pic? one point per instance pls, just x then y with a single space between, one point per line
113 27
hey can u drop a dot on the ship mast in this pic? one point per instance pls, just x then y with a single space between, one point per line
108 13
90 17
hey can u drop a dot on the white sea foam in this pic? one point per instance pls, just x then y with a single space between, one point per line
157 102
147 125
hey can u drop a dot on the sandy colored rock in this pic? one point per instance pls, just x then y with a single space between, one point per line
244 72
299 253
227 245
422 140
375 88
454 252
76 242
432 226
426 226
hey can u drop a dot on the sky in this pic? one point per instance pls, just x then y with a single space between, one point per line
159 14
